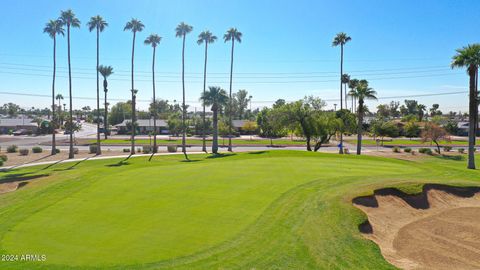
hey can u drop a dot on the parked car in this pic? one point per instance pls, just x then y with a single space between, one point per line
20 132
102 130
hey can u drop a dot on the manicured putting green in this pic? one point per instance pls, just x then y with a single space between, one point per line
250 210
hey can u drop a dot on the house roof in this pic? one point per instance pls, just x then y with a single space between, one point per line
14 122
144 123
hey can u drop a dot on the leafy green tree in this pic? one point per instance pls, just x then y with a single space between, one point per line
270 124
54 28
153 40
174 124
411 129
217 98
434 110
119 112
205 37
362 92
451 127
98 24
382 129
181 31
302 113
105 71
68 18
326 126
469 57
232 35
134 26
421 111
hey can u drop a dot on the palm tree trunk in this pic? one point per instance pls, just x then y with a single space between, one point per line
471 130
341 96
70 153
230 100
99 151
105 121
204 147
184 115
345 92
476 106
132 139
215 131
53 122
360 127
154 150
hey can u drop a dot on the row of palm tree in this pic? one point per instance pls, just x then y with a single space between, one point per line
56 27
97 23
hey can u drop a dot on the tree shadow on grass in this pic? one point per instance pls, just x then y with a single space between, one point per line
120 163
74 165
257 152
221 155
20 177
452 157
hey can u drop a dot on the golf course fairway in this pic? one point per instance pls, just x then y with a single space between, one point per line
259 210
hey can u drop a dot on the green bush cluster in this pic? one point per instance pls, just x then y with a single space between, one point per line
426 151
24 152
37 149
407 150
12 149
447 148
92 149
396 149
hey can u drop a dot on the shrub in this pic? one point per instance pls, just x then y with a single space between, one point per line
1 163
172 148
407 150
139 150
57 150
396 149
426 151
147 149
24 151
3 157
37 149
12 149
92 149
126 150
447 148
461 150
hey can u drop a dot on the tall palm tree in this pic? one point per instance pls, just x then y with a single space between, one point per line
469 57
234 35
345 80
217 98
341 39
105 71
181 31
54 28
154 40
97 23
135 26
352 84
362 92
205 37
68 18
59 97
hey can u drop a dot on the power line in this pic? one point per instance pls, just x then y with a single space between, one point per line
263 101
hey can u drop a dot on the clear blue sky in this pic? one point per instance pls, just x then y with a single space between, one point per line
401 47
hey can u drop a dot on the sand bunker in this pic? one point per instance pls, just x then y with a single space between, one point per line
437 229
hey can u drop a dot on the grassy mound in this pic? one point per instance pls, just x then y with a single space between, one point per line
279 209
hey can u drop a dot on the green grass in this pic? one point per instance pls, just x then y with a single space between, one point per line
409 142
199 142
264 210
